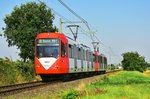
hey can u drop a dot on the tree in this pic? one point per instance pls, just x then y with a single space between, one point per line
148 65
24 23
133 61
112 67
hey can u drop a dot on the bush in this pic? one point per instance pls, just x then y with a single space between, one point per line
15 72
26 70
7 71
70 95
112 67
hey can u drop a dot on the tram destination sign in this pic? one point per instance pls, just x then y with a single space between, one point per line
48 41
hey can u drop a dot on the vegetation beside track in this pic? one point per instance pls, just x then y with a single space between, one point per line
15 72
126 84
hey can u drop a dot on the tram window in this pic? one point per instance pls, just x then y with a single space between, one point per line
102 59
99 59
79 53
83 54
70 51
63 49
66 47
105 60
86 55
94 58
91 57
75 52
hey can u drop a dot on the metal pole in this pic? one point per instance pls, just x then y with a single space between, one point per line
110 55
60 25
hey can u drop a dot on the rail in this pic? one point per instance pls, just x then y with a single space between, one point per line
13 89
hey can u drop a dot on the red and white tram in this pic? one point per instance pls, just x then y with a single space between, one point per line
57 55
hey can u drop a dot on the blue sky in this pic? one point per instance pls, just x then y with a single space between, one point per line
123 25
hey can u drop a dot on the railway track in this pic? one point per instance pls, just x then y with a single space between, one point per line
16 88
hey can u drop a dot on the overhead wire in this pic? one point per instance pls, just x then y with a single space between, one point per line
56 12
82 20
79 17
60 1
86 23
67 20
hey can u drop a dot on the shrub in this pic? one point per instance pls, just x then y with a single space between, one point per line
7 71
26 70
70 95
14 72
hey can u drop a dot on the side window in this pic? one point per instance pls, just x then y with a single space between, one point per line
86 55
63 49
83 54
71 51
66 47
94 58
99 59
91 57
75 51
105 60
79 53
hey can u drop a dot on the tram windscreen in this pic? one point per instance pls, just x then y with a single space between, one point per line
47 48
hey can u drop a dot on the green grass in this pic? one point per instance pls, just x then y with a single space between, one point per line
125 85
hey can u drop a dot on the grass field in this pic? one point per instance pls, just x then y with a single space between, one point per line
124 85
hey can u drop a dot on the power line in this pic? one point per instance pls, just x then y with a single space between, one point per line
56 12
67 20
82 21
86 23
79 17
72 11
